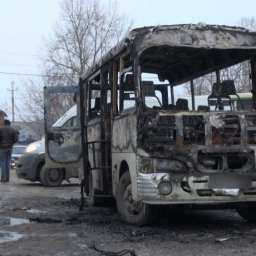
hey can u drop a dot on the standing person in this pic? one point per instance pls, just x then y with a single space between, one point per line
2 116
8 136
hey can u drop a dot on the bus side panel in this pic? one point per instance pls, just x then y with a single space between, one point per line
94 152
124 147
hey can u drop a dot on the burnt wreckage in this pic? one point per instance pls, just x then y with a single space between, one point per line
174 155
144 144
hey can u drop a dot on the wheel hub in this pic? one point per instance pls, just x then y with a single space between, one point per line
54 174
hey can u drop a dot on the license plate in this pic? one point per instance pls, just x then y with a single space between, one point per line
227 192
229 181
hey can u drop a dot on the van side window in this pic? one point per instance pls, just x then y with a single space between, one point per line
71 123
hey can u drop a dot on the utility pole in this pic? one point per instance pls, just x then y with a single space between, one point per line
13 90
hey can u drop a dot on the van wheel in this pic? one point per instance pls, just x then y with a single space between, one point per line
248 214
132 212
51 177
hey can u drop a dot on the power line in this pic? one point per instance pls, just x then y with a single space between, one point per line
28 74
19 54
17 65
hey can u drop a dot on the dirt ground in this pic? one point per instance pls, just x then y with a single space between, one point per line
46 221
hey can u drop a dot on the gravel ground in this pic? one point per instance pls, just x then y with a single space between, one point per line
46 221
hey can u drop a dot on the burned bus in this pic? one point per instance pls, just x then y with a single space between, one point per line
143 145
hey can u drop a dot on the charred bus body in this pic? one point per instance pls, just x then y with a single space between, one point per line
162 153
142 144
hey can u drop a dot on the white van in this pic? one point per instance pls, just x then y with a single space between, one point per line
31 165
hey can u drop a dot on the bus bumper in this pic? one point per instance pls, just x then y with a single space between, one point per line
163 188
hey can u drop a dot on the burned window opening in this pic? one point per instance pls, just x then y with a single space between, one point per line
192 64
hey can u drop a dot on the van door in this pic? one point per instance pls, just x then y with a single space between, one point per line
62 126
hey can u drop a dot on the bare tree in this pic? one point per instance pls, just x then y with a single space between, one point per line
32 102
202 85
240 73
86 30
30 107
249 23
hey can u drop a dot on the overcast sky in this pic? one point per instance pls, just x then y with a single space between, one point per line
24 24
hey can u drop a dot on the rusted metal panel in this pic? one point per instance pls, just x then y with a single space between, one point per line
124 133
191 167
194 35
230 141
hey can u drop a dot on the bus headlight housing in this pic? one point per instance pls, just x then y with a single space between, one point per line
165 187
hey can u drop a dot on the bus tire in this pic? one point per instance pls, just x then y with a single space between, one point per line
132 212
51 177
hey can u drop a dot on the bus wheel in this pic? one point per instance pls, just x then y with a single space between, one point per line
132 212
248 214
51 177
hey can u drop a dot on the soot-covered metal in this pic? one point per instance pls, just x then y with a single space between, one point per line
162 148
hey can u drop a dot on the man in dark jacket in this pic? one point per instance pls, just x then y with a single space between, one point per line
2 116
8 136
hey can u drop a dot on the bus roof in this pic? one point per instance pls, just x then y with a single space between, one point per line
198 36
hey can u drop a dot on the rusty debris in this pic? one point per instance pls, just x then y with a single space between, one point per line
125 252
